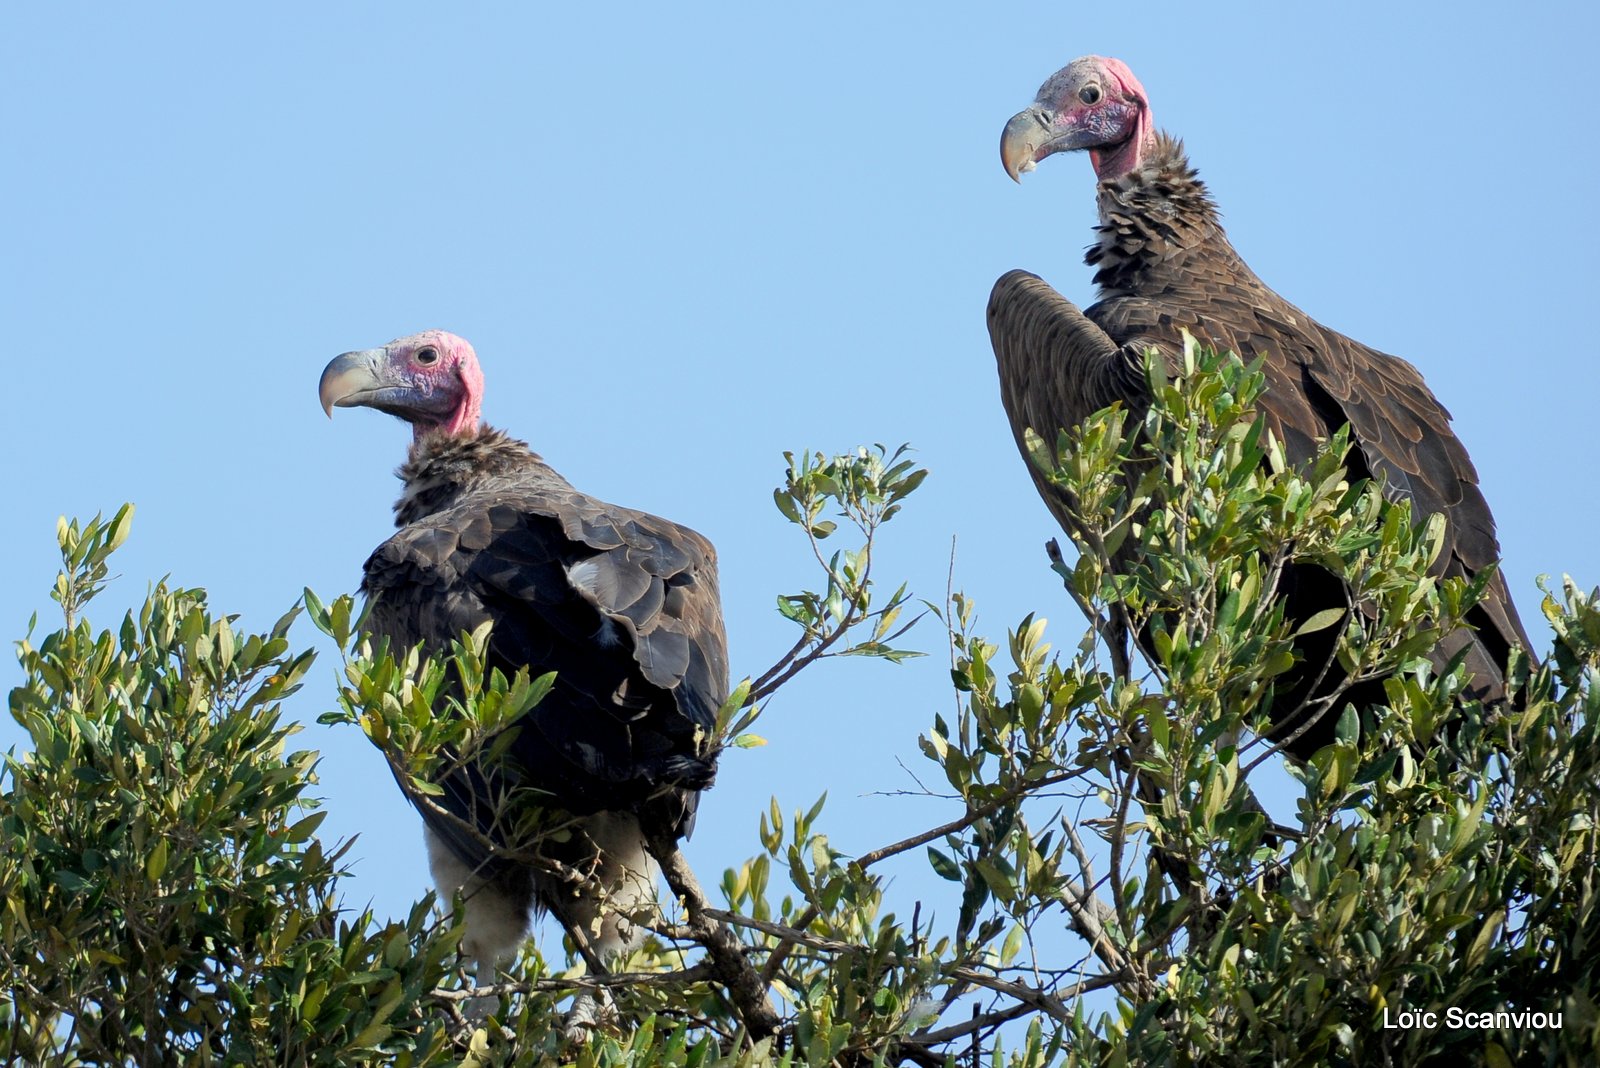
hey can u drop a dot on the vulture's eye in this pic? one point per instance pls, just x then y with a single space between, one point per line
427 355
1089 94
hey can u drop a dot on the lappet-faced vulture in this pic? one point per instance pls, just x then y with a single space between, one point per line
623 606
1164 266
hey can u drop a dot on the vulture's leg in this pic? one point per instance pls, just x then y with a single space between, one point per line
623 890
495 916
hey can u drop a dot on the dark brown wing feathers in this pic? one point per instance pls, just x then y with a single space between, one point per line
1166 267
1036 332
622 605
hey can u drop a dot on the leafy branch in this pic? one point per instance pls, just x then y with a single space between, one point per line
866 489
164 896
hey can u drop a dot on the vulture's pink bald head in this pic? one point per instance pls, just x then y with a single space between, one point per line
431 380
1093 103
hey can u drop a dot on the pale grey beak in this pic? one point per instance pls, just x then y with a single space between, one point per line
349 378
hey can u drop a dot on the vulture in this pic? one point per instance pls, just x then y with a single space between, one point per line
621 605
1163 266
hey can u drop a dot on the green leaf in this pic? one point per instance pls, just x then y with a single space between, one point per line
69 881
787 506
1347 726
943 866
317 611
157 864
120 525
1012 945
1320 621
305 828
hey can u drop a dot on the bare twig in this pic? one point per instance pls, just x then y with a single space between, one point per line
1021 1007
744 984
1045 1002
769 971
1090 916
580 940
972 816
782 931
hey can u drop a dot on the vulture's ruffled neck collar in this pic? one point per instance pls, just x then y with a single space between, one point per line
441 467
1153 212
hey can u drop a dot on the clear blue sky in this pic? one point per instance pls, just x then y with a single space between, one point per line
686 238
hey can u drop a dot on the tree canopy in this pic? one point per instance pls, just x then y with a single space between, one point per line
1119 892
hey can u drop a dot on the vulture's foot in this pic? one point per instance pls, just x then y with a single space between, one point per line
591 1010
478 1010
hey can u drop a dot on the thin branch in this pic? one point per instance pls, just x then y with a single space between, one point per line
922 787
1042 1000
744 984
1079 852
769 971
580 940
1327 701
926 1037
767 683
777 675
973 815
1118 839
782 931
760 687
1089 916
1097 911
1114 635
1045 1002
695 974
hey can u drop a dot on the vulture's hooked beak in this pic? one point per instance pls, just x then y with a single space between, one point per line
1037 132
351 379
1024 135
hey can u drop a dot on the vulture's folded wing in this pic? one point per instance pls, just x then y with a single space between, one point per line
623 604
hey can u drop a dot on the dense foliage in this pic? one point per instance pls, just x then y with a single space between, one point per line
1119 893
163 895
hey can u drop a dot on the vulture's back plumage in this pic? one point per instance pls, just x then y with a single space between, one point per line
1164 266
621 604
